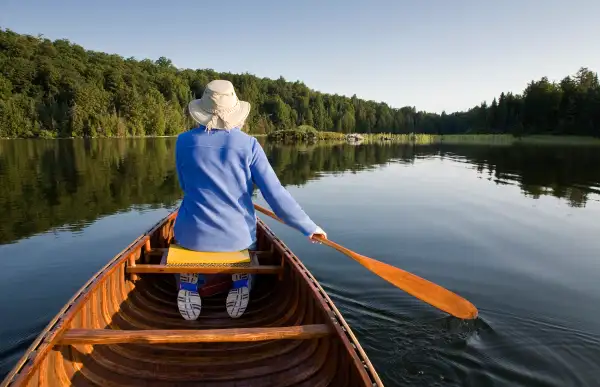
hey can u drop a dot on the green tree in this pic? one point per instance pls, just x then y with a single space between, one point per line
58 88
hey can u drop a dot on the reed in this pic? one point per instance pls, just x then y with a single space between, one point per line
409 138
483 139
309 134
508 139
559 140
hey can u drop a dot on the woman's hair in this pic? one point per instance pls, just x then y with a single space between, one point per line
241 125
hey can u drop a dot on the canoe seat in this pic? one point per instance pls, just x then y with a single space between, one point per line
179 260
163 269
180 256
160 251
158 336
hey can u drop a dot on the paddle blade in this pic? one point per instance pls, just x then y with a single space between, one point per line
421 288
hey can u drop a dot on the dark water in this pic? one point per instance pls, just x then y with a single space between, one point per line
514 229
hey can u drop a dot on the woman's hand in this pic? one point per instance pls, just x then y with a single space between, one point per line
318 233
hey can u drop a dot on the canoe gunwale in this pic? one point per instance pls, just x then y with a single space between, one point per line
335 318
29 364
44 342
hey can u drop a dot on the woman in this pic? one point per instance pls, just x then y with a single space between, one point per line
217 166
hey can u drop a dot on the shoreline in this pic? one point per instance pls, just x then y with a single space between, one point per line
416 138
99 137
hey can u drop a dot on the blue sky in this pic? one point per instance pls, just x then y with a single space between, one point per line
433 54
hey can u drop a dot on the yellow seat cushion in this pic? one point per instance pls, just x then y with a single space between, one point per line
177 255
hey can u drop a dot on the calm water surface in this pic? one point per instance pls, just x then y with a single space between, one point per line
514 229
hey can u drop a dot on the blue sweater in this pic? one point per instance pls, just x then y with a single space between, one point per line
217 171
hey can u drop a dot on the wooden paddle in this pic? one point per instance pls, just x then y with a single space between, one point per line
422 289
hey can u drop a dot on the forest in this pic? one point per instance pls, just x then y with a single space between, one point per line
59 89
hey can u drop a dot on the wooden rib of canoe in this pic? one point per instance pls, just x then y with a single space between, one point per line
123 328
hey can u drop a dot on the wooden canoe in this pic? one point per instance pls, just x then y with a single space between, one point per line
123 329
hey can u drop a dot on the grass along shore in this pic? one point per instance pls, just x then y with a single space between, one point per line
507 139
308 134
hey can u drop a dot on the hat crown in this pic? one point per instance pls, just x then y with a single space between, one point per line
219 95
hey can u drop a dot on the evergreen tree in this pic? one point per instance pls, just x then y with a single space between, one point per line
50 89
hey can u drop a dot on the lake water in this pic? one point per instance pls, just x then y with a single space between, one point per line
514 229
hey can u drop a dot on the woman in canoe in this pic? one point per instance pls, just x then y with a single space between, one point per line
217 166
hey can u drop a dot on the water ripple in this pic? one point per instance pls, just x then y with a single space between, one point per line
415 347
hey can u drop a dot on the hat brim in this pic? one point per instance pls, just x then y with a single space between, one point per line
234 118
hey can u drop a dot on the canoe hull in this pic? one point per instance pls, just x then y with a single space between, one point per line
290 303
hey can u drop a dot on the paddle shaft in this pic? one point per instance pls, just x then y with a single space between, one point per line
419 287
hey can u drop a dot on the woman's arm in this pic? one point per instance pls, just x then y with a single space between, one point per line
278 198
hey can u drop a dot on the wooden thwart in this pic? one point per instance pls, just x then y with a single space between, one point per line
111 336
262 269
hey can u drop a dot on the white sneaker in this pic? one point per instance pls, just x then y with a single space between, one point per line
188 299
239 296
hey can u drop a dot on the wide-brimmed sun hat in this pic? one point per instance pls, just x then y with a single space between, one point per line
219 107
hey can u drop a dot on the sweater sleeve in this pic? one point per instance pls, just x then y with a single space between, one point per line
278 198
